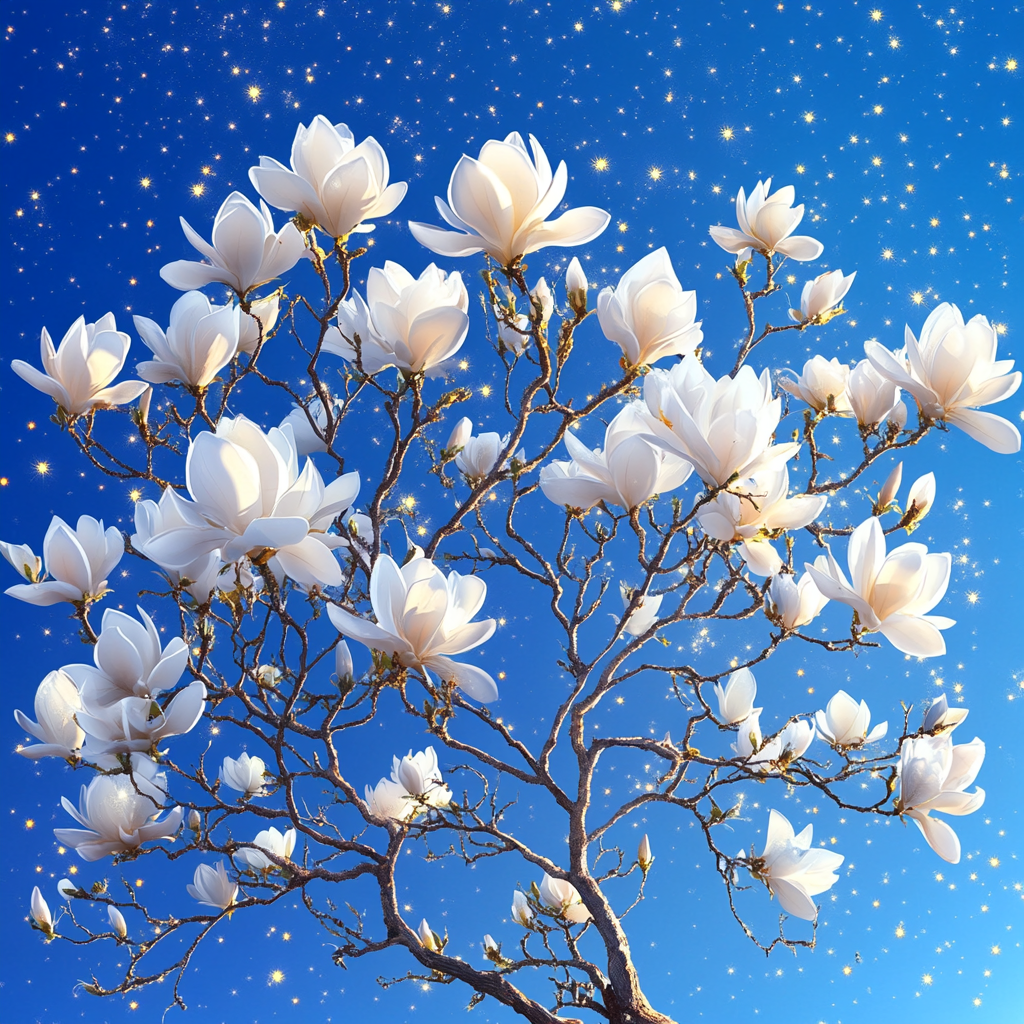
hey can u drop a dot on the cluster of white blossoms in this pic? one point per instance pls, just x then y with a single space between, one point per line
254 509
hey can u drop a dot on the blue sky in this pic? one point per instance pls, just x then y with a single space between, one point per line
900 128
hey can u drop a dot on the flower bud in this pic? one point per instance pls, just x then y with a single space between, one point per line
343 662
522 913
65 887
144 402
461 433
644 856
919 501
117 922
492 950
429 939
195 820
576 286
40 913
887 495
542 300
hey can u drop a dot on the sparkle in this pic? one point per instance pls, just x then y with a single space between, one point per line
878 108
727 133
809 116
887 254
42 468
917 298
145 182
254 92
926 979
9 136
876 15
654 174
197 189
276 977
894 43
1011 64
600 163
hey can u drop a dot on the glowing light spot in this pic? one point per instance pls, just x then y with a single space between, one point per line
1011 64
876 161
847 970
917 298
972 596
276 977
145 182
809 116
197 189
486 391
900 931
876 15
135 494
254 92
30 823
578 27
996 951
9 136
800 168
926 979
623 226
42 468
727 133
878 108
910 188
600 163
654 174
934 222
894 43
993 862
887 254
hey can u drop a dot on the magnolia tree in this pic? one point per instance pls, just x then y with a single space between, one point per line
278 551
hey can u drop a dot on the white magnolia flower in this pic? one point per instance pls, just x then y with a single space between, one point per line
40 912
79 560
244 774
213 887
389 800
772 756
139 723
461 433
307 440
767 221
429 939
78 375
515 336
940 717
822 385
627 472
271 841
250 496
245 252
792 602
258 322
407 322
793 870
891 594
951 371
844 723
420 776
648 315
736 698
499 204
173 513
872 397
120 812
129 661
934 776
422 619
522 912
332 182
723 427
822 298
23 560
491 948
479 455
752 517
56 704
563 897
576 286
117 922
644 615
200 341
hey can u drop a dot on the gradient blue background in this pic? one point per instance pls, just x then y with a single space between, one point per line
901 133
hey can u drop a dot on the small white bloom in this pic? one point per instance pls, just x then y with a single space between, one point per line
522 912
844 723
822 298
244 774
767 221
736 698
563 897
213 887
